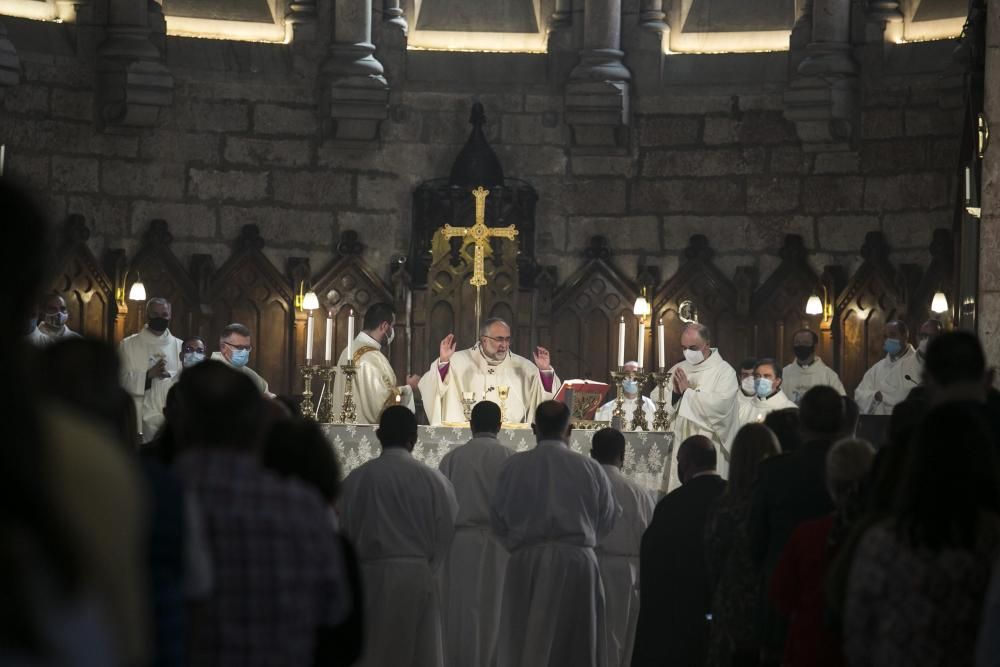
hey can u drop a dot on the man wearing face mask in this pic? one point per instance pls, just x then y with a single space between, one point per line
375 386
808 370
929 330
888 382
768 395
747 389
234 351
151 354
704 400
54 317
631 389
192 353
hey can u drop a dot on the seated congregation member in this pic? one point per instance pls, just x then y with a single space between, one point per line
808 370
54 316
632 390
473 573
277 588
732 574
151 354
790 489
674 595
618 552
919 578
192 352
768 396
798 587
552 508
400 516
785 426
235 345
889 381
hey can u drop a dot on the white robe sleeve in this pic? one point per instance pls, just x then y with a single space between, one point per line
712 406
835 382
434 392
446 511
864 395
608 509
371 395
133 368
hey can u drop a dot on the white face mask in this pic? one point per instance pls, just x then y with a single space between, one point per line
747 385
694 356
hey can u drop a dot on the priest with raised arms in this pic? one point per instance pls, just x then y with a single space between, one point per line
704 398
152 354
375 386
481 371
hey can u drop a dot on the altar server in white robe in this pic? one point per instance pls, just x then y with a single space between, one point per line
618 552
235 345
473 574
482 372
704 400
400 516
890 380
748 388
808 370
768 395
155 400
153 353
375 382
552 507
55 315
631 391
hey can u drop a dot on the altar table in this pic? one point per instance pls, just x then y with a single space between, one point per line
648 454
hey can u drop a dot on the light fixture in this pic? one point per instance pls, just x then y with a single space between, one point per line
814 306
310 301
641 309
137 292
939 304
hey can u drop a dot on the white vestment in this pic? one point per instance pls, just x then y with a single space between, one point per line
400 516
374 383
889 377
46 335
603 413
36 337
756 409
552 507
473 574
257 380
709 407
470 372
153 403
796 380
140 352
618 558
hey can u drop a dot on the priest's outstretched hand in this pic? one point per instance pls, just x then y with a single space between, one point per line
412 381
447 349
542 359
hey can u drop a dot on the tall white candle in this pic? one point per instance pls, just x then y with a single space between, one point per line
642 344
3 154
621 342
663 355
350 337
329 339
309 340
968 184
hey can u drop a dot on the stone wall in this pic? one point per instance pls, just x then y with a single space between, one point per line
709 152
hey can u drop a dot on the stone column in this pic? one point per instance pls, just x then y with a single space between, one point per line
10 64
987 310
651 15
356 94
394 16
885 19
597 95
133 84
300 21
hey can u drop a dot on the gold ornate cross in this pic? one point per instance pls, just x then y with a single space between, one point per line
480 235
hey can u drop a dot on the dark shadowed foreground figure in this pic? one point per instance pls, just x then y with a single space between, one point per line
674 592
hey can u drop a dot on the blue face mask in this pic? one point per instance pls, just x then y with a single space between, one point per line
630 386
892 346
240 358
193 359
764 387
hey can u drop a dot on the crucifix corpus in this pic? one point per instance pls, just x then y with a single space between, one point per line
480 235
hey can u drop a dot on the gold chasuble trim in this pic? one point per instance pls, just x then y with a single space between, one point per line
389 382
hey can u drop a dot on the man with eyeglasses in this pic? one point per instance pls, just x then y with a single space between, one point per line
192 354
488 371
234 351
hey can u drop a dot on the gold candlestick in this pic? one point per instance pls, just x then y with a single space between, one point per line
639 422
306 406
348 414
661 418
327 413
618 377
503 393
468 402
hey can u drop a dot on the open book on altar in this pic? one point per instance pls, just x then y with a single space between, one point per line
587 397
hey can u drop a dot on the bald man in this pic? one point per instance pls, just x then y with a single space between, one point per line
929 330
152 354
889 381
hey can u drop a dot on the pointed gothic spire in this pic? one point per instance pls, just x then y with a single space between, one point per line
476 163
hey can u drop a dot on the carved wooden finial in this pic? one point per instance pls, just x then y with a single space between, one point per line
699 248
794 249
75 229
598 248
158 234
250 238
349 245
875 248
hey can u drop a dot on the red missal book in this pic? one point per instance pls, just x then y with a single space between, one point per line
587 397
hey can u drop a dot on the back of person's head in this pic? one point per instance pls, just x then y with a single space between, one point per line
695 455
397 427
551 420
785 426
847 465
218 407
298 449
485 417
954 357
752 444
904 422
950 481
26 258
377 314
822 413
608 447
291 405
748 364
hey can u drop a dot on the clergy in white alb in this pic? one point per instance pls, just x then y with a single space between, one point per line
890 380
374 386
155 400
52 326
234 351
704 400
748 389
768 395
153 353
473 574
808 370
618 552
928 331
400 516
632 395
484 373
552 508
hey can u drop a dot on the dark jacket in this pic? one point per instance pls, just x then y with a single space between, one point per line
674 591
